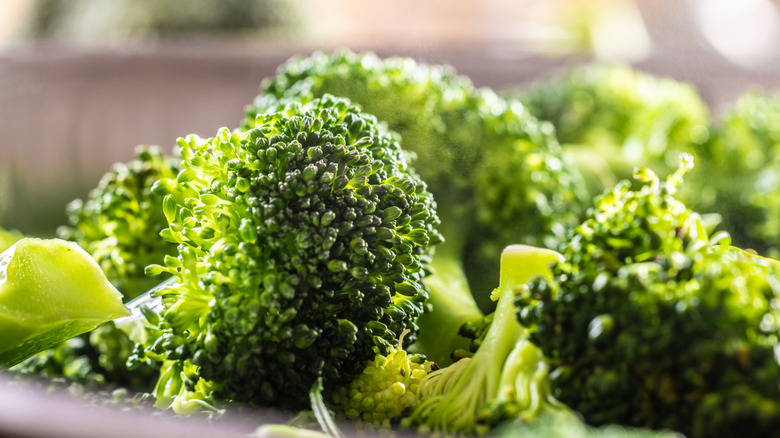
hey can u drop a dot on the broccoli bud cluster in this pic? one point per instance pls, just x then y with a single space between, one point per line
302 245
652 322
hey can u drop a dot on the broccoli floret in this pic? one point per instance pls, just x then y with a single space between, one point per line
494 170
385 388
652 322
612 118
743 155
506 378
121 219
302 249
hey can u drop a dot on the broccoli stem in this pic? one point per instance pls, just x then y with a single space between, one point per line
506 374
450 303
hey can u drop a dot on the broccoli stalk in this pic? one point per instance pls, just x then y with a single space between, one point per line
450 305
506 377
51 290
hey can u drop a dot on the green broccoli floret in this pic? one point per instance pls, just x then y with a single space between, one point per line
506 378
385 389
611 118
302 249
651 322
121 219
743 153
494 170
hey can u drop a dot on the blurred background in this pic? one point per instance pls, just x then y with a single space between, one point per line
82 82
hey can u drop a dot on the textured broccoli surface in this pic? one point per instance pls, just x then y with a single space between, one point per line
302 249
612 118
385 389
495 171
652 322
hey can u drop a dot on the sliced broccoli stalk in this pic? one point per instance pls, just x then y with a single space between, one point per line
50 291
507 376
119 225
8 238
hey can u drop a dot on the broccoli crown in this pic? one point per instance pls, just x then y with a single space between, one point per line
651 322
119 221
743 153
620 118
302 249
495 171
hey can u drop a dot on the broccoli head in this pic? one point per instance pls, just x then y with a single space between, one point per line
495 171
302 245
652 322
611 118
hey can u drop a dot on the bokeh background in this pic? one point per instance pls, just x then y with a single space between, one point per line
82 82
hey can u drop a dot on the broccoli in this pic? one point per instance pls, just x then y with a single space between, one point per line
50 291
385 389
506 378
8 238
743 154
119 225
612 118
302 246
494 170
653 322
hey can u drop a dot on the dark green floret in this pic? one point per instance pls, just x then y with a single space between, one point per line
653 322
302 244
